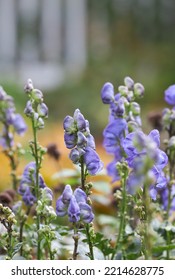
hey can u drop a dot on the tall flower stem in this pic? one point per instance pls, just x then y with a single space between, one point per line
36 156
13 163
22 223
88 235
121 234
91 251
146 242
76 238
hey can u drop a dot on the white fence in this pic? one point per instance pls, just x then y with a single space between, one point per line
42 39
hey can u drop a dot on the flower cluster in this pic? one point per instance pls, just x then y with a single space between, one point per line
78 138
146 161
28 182
35 108
12 121
124 117
75 205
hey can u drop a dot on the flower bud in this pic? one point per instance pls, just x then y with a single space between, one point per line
135 108
79 120
29 109
2 94
171 143
42 110
139 90
107 93
37 95
29 86
75 155
67 194
69 124
129 83
123 90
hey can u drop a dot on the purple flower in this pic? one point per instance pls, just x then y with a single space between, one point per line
73 210
113 133
3 94
86 212
170 95
129 83
29 86
74 205
19 124
42 110
6 140
70 140
10 115
28 198
29 111
81 140
92 161
164 198
67 194
146 159
61 207
79 120
75 155
80 196
107 93
112 170
69 124
77 137
28 179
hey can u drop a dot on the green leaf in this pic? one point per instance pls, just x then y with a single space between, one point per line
17 248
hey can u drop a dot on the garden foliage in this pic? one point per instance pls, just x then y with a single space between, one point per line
40 224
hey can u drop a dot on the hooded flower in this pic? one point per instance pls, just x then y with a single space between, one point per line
74 204
78 138
170 95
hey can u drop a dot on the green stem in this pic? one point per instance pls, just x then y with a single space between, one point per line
36 156
91 252
21 229
10 242
76 238
122 225
88 235
146 246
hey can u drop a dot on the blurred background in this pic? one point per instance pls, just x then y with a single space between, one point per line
70 48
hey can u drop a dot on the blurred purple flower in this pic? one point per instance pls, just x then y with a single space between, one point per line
28 198
28 179
107 93
113 133
170 95
61 207
19 124
92 161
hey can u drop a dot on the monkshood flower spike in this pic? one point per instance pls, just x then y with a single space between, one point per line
124 117
28 182
78 138
145 158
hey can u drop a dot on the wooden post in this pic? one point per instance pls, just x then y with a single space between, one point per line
75 34
7 30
